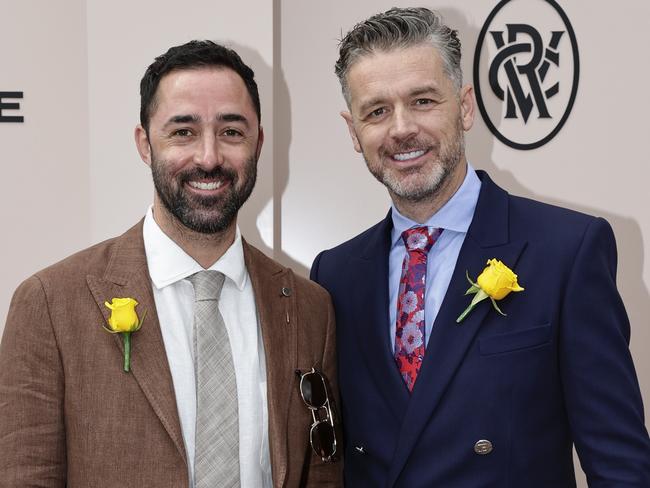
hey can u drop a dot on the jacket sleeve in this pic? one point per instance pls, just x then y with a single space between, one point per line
602 393
32 433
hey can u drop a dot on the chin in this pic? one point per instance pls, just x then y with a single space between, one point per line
418 186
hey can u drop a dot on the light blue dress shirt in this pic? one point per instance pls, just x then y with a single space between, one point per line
454 217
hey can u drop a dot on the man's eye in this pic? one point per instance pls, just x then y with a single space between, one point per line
232 133
378 112
423 101
182 133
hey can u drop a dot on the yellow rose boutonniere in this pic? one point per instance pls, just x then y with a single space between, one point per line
495 282
124 320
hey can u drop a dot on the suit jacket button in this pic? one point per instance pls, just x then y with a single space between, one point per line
286 291
360 449
483 447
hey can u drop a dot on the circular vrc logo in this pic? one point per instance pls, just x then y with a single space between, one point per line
526 71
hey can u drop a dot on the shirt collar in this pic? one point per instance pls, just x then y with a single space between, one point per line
455 215
169 263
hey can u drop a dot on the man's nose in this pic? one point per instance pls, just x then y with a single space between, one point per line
208 155
403 124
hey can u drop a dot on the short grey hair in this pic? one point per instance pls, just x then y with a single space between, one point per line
399 28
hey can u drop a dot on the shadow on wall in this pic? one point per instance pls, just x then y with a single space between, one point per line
273 167
628 231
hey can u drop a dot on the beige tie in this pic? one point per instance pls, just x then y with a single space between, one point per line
216 455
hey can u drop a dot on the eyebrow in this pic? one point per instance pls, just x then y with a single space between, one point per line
414 93
425 90
182 119
232 117
365 106
194 118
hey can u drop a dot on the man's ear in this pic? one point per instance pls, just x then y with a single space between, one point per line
347 116
467 107
142 143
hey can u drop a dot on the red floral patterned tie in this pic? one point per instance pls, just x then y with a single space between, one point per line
409 333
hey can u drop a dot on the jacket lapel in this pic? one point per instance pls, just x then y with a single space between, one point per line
487 238
277 318
370 272
127 275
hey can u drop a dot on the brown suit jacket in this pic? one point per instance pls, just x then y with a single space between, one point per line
69 415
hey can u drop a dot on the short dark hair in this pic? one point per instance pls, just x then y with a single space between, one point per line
192 55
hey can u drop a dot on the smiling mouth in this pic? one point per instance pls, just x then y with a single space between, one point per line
206 185
408 156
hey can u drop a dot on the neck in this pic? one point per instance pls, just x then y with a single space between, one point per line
205 249
423 209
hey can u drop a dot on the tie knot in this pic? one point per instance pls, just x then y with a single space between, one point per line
207 284
420 239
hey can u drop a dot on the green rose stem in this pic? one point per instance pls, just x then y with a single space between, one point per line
127 351
480 295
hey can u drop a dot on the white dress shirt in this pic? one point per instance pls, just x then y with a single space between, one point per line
169 268
454 217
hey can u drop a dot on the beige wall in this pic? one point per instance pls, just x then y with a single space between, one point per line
44 201
72 176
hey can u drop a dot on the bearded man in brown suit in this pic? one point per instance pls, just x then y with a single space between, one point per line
69 413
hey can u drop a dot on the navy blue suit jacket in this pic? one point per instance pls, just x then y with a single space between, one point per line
557 370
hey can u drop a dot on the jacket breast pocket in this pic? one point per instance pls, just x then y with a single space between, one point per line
515 341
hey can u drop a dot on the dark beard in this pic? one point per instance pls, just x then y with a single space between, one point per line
207 215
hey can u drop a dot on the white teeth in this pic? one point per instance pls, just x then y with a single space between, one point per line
408 155
213 185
